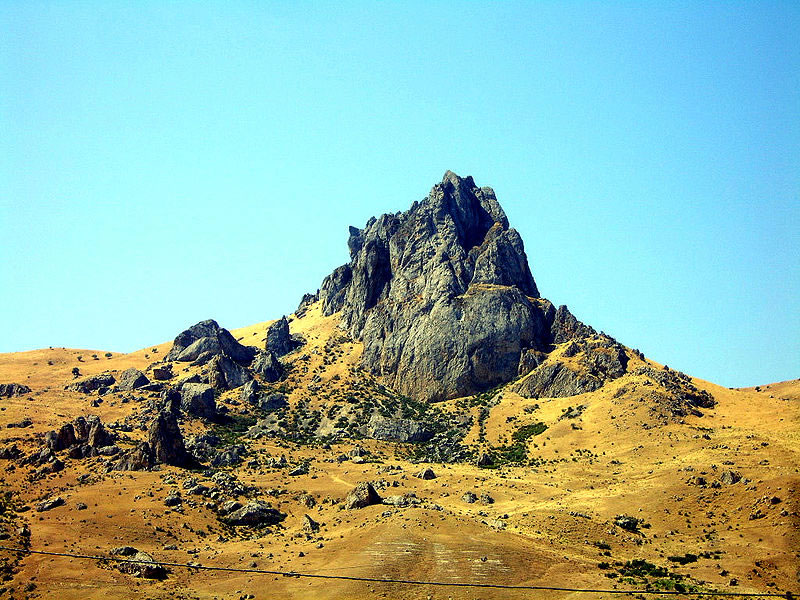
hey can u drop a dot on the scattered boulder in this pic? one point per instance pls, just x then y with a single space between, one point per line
91 384
198 399
7 390
301 469
426 473
397 430
362 495
402 501
137 563
173 499
729 477
49 504
268 367
469 497
309 524
486 498
131 379
166 441
254 514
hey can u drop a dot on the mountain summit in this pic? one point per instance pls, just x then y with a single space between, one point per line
442 296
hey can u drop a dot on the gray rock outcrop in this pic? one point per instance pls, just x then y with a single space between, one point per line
166 440
442 296
87 385
198 399
268 367
362 495
279 341
131 379
208 336
224 374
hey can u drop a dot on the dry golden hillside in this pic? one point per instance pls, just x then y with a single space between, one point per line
577 489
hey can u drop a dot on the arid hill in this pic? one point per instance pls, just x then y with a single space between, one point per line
426 415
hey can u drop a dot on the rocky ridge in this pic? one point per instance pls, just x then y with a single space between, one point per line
443 299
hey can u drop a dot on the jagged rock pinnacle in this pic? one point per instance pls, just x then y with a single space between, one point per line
441 295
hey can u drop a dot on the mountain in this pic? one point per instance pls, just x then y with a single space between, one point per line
426 415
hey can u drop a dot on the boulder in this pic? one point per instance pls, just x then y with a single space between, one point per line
397 430
163 373
131 379
362 495
8 390
268 367
49 504
166 440
137 563
469 497
208 336
198 399
91 384
224 374
309 524
254 514
426 473
729 477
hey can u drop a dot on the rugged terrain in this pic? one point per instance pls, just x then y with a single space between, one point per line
426 415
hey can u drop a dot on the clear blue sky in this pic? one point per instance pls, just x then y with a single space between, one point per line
166 162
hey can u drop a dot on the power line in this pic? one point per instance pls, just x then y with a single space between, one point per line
788 595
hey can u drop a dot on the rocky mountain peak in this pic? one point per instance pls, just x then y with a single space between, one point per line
442 295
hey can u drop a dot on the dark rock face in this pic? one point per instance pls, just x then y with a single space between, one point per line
198 399
397 430
92 384
442 296
267 366
362 495
132 379
224 374
8 390
279 342
166 440
208 336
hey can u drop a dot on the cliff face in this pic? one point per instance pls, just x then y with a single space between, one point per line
442 295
